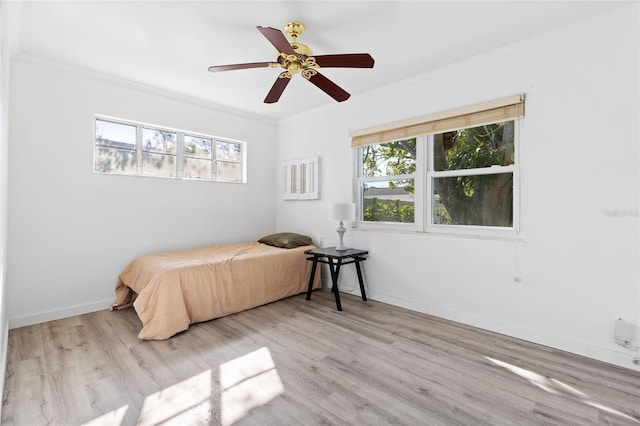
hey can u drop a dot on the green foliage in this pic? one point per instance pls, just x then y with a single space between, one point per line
477 147
482 146
390 159
389 211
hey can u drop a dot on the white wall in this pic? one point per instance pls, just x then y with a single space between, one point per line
9 12
71 231
577 267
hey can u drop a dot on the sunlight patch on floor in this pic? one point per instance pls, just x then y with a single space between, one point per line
247 382
187 402
115 417
557 387
534 378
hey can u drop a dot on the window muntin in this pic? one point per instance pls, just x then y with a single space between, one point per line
124 147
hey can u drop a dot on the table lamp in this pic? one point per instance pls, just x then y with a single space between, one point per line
342 212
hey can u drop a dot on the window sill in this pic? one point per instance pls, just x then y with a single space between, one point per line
495 235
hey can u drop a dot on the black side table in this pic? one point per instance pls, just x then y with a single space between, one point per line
335 259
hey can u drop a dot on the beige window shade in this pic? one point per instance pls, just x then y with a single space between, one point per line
486 113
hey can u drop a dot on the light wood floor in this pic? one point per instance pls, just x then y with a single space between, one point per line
295 362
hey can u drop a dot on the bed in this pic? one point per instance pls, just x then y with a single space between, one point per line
171 290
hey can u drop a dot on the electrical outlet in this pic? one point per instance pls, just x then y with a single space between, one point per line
623 331
321 241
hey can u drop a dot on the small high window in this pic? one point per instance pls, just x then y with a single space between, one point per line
124 147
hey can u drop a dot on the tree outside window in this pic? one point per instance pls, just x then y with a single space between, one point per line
474 197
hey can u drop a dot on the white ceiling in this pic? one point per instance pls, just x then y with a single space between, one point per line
169 45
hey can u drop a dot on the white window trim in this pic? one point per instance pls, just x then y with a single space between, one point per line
180 134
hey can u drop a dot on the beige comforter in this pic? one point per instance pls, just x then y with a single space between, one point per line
175 289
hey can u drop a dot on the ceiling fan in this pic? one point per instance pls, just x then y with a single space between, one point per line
297 58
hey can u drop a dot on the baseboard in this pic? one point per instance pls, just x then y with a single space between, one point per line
56 314
620 357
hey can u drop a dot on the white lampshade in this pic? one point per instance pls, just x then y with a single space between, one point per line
342 211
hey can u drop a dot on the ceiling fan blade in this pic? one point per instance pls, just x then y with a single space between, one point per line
329 87
231 67
277 89
349 60
278 39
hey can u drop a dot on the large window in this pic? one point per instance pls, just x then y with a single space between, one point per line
128 148
449 177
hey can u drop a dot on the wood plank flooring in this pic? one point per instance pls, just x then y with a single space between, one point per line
295 362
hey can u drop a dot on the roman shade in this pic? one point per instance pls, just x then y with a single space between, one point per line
494 111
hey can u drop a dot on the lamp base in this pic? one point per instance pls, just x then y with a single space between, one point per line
341 230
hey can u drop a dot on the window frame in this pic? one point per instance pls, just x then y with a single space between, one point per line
418 186
179 154
423 201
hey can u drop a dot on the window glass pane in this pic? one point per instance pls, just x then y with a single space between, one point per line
389 159
197 147
476 147
481 200
115 150
229 172
158 141
228 151
114 160
388 201
159 153
197 168
158 164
